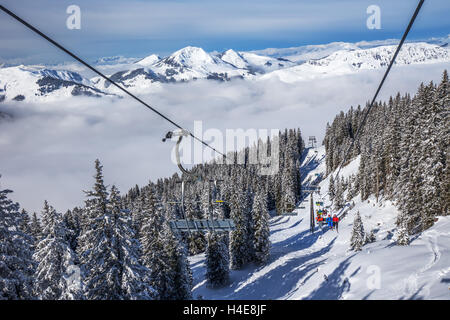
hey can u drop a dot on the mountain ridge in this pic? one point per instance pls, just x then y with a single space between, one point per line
37 83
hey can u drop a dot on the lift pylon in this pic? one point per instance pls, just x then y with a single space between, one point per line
312 141
311 190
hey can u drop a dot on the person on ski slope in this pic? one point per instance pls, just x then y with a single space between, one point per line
330 221
335 222
320 220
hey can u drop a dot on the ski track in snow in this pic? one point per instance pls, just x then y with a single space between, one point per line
412 289
319 265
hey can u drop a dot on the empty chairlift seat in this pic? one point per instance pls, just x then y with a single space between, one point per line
202 225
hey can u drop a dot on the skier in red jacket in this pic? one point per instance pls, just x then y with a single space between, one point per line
335 222
320 220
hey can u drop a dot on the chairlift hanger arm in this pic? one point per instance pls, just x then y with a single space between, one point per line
180 134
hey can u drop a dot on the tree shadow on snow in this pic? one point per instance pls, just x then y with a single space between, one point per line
281 281
366 297
279 221
312 163
335 286
300 241
284 229
416 296
284 279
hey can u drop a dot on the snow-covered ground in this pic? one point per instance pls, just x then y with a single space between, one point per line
319 265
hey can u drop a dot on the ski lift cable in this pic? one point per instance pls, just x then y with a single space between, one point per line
59 46
361 125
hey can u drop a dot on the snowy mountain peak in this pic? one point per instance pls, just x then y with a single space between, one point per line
232 57
193 63
374 58
149 60
33 83
190 57
351 61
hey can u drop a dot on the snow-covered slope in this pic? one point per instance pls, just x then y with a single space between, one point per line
310 62
319 265
351 61
194 63
234 58
37 83
149 60
190 63
264 64
304 53
254 62
319 51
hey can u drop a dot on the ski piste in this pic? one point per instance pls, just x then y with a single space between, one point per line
319 265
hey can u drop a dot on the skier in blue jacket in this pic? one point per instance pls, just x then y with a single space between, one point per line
330 221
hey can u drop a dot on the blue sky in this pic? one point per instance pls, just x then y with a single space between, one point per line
136 28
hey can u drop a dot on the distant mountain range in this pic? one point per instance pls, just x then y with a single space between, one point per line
44 83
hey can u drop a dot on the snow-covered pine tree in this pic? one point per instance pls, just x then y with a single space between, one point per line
100 266
445 196
126 251
16 265
55 260
290 174
410 179
339 195
217 255
250 229
35 227
370 237
217 261
178 274
327 142
392 137
170 275
402 232
365 173
331 188
153 252
196 241
73 226
350 188
430 162
139 211
441 122
358 236
238 237
261 241
435 135
25 226
109 250
288 185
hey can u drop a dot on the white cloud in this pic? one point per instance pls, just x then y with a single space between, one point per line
48 151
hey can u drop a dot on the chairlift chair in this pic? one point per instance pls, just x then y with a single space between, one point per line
293 213
195 225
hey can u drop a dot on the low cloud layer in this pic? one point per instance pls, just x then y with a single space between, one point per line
48 150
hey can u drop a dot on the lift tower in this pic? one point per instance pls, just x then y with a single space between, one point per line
312 189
